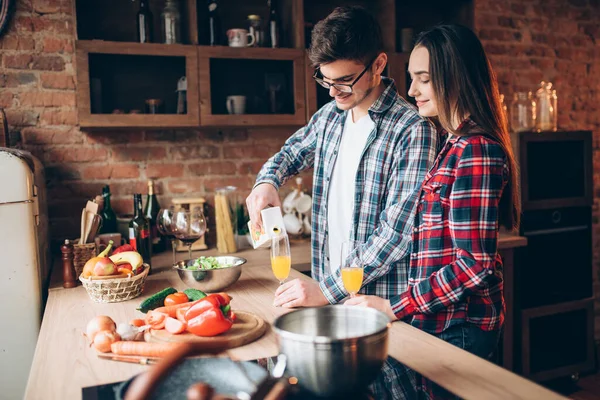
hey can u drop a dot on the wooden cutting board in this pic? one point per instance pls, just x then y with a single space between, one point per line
247 328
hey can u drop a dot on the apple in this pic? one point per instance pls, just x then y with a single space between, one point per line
99 266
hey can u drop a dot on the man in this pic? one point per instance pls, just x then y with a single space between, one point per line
370 151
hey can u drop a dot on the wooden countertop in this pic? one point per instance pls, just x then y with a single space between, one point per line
63 362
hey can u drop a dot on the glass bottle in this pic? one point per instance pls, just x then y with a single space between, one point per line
504 108
546 112
274 34
522 112
170 21
151 212
139 231
182 95
214 24
144 23
109 218
255 29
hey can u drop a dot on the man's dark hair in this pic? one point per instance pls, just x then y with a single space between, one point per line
348 33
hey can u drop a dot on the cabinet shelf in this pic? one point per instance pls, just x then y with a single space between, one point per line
271 82
117 75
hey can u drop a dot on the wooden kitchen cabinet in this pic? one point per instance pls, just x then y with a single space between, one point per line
122 76
106 45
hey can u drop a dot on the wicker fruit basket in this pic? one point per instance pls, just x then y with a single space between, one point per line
102 290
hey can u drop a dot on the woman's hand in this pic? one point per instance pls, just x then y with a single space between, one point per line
375 302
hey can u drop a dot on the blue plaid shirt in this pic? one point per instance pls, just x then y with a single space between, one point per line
398 154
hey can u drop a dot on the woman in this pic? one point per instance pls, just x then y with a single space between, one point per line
455 286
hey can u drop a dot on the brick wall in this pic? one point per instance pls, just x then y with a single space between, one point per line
556 40
527 40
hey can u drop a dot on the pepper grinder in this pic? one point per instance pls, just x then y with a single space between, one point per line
68 266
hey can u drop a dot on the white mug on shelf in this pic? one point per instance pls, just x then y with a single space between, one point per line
236 104
239 38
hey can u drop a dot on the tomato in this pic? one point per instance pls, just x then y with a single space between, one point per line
176 298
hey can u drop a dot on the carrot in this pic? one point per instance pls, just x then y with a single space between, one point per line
171 311
175 326
181 314
131 348
137 322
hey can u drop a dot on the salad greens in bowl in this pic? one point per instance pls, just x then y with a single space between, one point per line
210 274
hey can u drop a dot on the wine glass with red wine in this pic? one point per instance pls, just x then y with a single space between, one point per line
163 224
188 226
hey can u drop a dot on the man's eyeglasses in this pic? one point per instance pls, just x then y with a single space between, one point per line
341 87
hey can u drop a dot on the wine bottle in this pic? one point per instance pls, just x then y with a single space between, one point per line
109 218
144 23
139 231
274 34
214 24
151 212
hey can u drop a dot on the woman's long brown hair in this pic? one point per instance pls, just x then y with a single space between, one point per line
465 85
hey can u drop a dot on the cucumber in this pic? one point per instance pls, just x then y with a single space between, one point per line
194 294
156 300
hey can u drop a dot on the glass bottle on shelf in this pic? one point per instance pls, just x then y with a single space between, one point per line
144 23
182 95
151 212
170 21
274 34
214 24
139 231
109 218
504 107
546 112
255 25
522 112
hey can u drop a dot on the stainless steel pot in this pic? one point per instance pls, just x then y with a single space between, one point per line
333 350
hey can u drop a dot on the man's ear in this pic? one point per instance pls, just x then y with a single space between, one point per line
380 63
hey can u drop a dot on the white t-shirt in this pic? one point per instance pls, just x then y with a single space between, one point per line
340 203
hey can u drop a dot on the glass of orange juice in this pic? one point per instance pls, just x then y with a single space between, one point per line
351 269
281 259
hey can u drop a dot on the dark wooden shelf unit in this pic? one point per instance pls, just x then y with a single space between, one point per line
115 75
553 284
109 27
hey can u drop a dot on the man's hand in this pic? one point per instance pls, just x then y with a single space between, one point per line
375 302
262 196
299 293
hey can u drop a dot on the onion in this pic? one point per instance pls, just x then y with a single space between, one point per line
104 339
100 323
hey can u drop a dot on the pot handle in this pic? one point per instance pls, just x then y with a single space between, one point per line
145 384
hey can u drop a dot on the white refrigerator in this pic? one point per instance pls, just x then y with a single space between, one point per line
24 266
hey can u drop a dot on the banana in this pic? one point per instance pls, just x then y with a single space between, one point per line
132 257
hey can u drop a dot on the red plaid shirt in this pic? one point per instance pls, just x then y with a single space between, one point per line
455 273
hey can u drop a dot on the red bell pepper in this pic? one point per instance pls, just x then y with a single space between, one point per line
210 316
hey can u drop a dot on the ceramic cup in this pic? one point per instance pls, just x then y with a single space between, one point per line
236 104
239 38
